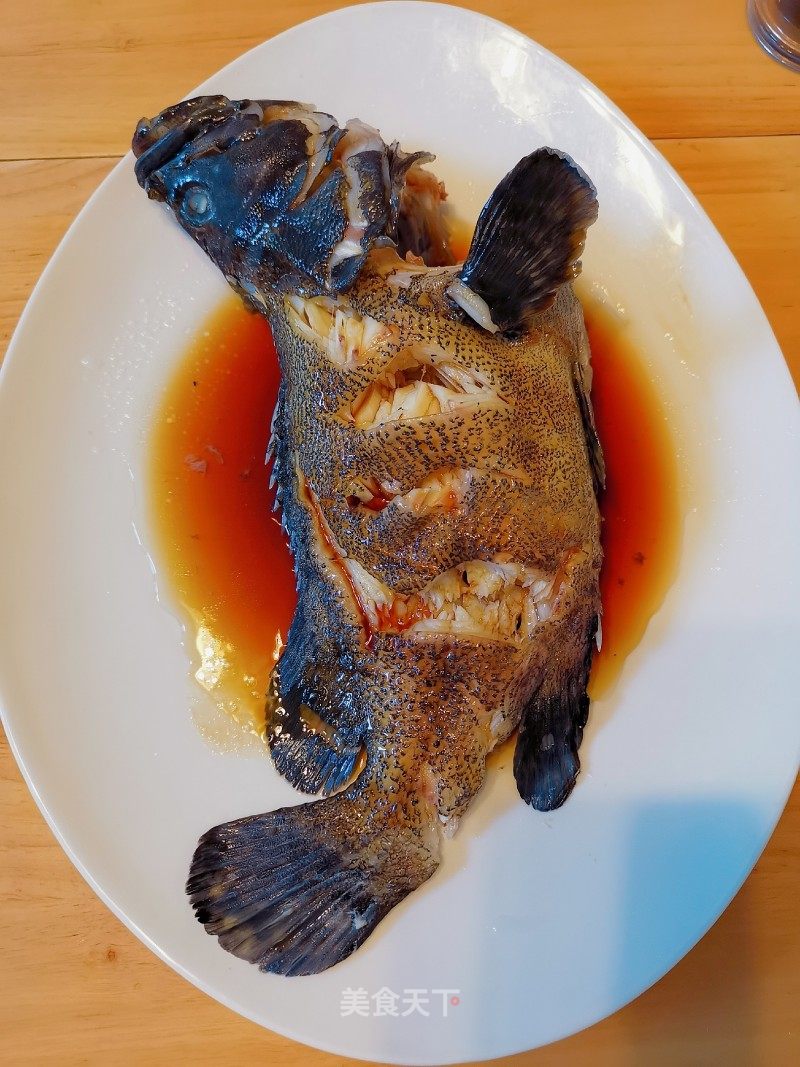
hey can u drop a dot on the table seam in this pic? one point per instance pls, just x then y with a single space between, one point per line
653 140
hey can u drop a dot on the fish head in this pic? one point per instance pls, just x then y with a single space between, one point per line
276 194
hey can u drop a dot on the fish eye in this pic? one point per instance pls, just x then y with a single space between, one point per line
196 206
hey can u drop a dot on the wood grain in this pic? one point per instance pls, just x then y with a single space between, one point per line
750 186
77 75
40 199
77 986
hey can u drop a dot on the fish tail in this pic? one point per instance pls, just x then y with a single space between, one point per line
297 890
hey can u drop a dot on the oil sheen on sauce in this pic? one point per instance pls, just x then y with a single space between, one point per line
220 548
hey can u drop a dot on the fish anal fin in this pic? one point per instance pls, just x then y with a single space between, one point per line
313 755
546 762
529 238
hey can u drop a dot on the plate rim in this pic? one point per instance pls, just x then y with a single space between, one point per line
610 112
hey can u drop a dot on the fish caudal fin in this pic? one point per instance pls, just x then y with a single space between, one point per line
528 241
546 762
297 890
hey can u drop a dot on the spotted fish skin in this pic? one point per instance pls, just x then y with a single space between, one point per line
530 498
437 469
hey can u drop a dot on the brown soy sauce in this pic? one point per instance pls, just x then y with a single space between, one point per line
218 543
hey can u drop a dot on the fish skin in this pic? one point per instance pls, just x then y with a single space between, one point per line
297 890
272 225
548 443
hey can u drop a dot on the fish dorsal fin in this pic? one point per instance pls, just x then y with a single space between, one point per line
528 241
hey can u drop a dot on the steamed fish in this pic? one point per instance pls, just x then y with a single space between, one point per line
437 468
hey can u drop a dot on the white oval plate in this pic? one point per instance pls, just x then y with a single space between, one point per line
542 924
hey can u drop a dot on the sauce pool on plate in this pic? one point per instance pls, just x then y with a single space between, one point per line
642 517
218 543
222 552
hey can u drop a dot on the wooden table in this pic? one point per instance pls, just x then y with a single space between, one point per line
77 987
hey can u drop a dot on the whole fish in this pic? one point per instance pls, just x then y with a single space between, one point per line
437 468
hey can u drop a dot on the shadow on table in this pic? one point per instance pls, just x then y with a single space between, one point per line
709 998
706 1006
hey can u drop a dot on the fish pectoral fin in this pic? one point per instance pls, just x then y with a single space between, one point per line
528 241
419 208
546 762
295 891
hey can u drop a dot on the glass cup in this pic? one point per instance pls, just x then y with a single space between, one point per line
776 27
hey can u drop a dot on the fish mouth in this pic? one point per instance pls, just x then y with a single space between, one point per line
211 122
